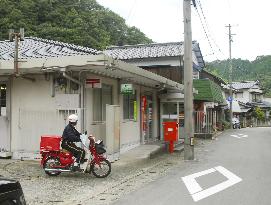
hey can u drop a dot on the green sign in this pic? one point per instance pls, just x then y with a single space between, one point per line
135 111
126 89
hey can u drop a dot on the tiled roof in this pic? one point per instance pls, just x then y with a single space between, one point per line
33 47
153 50
244 85
208 91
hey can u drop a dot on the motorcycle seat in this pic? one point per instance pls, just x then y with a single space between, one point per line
64 151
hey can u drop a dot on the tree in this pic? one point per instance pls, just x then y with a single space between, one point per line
259 114
82 22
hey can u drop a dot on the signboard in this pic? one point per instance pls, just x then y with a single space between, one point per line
135 111
229 99
93 83
126 89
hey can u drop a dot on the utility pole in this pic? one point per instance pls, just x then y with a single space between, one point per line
16 36
230 71
188 83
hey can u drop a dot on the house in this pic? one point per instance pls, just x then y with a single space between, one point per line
249 96
166 59
56 79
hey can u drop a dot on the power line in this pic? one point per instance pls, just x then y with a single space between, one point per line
131 10
208 29
205 32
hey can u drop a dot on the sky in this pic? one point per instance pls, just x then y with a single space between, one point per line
162 21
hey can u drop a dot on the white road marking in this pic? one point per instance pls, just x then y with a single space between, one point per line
240 136
190 181
236 136
198 193
244 136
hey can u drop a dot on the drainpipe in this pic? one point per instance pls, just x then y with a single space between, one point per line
82 99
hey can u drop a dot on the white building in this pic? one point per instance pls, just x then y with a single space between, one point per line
249 95
56 79
248 91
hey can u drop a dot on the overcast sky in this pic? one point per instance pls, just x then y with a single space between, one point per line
162 21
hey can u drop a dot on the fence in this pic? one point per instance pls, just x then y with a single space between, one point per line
204 122
34 123
261 123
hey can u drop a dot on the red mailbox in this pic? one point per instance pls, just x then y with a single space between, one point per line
171 133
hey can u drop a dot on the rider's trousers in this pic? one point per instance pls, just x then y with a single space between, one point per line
77 152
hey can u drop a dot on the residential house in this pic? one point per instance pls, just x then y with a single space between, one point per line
250 95
56 79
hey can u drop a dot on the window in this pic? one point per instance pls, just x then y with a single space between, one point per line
238 95
128 106
101 97
256 98
3 99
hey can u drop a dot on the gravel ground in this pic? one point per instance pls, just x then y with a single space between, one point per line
79 188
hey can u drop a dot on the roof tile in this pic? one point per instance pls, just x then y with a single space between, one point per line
33 47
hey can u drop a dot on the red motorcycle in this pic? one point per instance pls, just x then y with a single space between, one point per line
55 160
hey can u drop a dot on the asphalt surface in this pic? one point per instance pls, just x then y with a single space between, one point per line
238 173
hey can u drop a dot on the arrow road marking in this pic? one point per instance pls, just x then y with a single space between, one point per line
240 136
198 193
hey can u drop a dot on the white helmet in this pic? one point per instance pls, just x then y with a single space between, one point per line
73 118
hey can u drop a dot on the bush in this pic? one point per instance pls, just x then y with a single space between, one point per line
258 113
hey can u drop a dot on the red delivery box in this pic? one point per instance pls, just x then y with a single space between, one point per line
50 143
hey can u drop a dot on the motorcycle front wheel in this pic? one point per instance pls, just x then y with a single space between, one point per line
102 170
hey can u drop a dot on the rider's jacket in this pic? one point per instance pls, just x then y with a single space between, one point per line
70 134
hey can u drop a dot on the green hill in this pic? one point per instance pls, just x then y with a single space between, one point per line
82 22
259 69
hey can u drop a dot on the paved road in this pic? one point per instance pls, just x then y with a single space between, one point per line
235 170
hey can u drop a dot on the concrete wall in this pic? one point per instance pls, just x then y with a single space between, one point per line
28 100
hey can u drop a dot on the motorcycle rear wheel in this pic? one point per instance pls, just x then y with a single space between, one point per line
49 164
101 171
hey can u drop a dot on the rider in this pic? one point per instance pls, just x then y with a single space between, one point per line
71 135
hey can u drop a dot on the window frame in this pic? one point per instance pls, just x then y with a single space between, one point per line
129 102
101 108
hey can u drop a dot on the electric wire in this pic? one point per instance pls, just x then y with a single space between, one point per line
205 32
208 28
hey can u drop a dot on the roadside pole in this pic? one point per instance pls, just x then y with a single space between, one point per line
188 83
230 73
